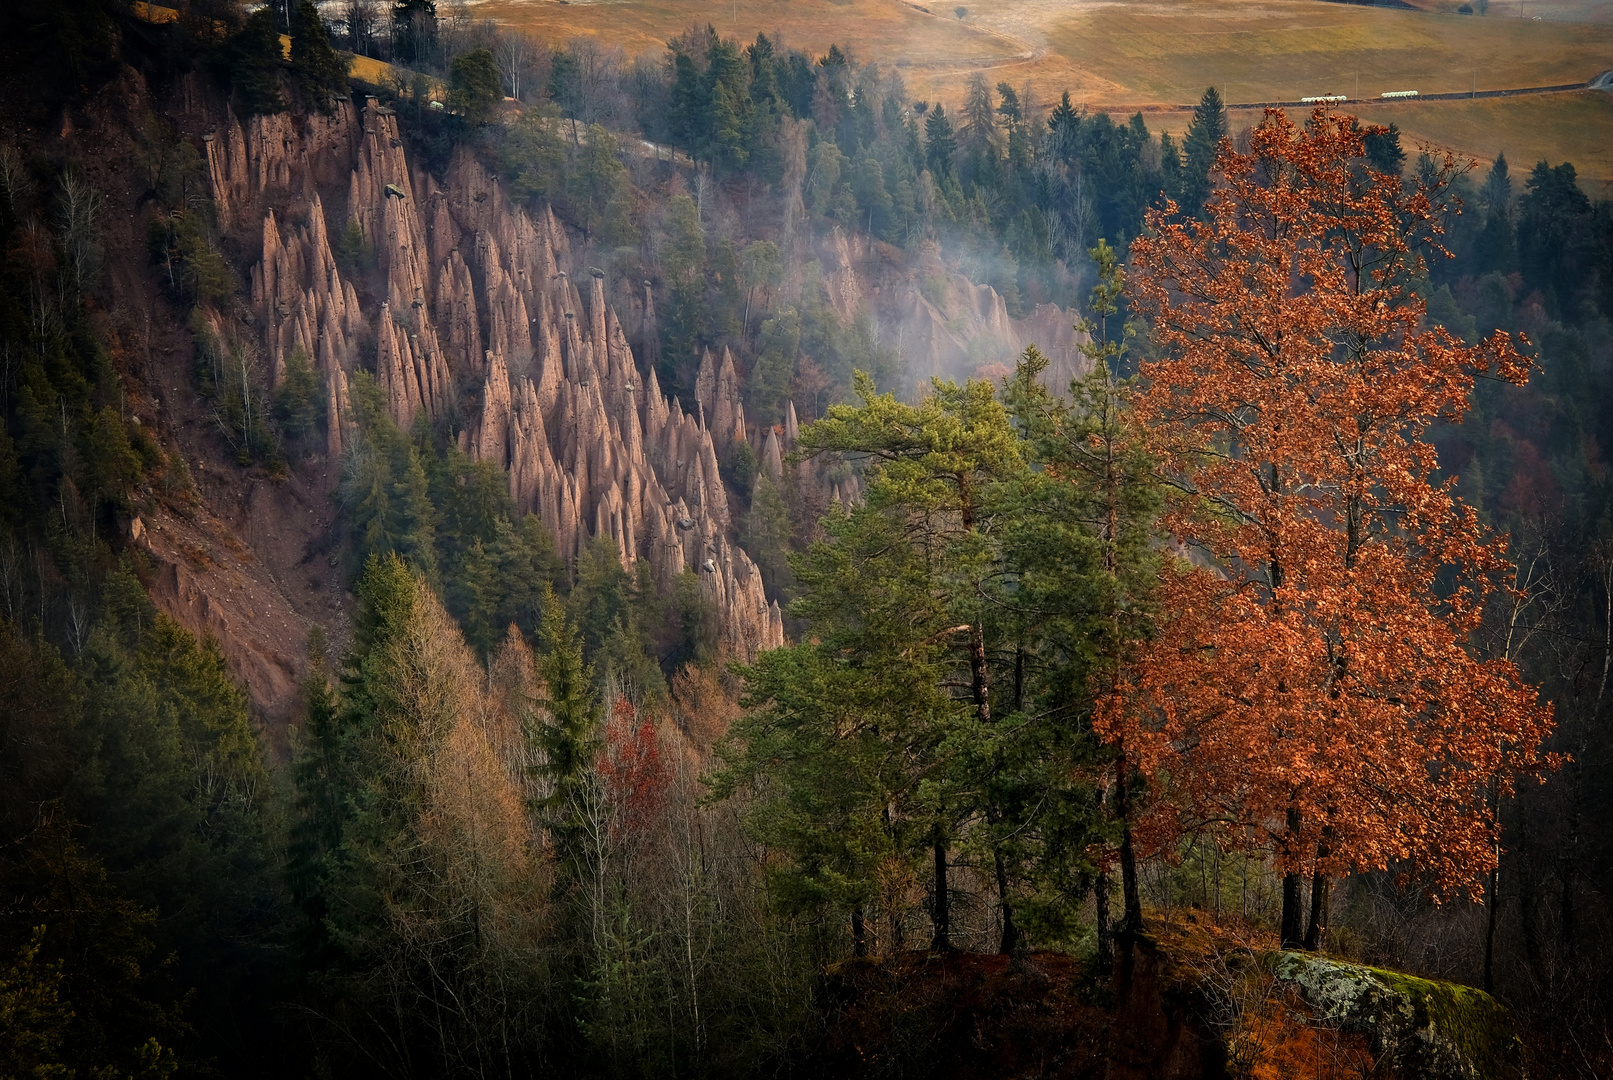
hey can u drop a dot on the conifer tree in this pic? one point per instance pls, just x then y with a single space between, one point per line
321 70
414 867
600 190
1064 129
1383 150
414 29
939 143
252 59
978 133
843 743
1495 249
475 85
1202 143
1088 571
726 107
567 738
936 464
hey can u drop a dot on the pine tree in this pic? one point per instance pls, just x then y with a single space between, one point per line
1064 128
1498 186
1382 149
1172 177
1553 216
1013 120
414 30
475 85
1202 143
415 858
567 738
1082 540
937 465
842 744
939 144
252 59
321 70
416 525
728 109
323 784
600 189
978 133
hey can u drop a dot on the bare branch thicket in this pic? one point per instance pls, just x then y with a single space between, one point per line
78 225
363 17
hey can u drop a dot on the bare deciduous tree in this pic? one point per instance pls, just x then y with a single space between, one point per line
78 229
514 54
362 17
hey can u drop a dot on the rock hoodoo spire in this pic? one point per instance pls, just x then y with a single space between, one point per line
479 319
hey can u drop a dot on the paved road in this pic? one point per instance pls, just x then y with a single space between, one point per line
1357 102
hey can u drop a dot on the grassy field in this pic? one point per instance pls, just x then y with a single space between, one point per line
889 31
1169 50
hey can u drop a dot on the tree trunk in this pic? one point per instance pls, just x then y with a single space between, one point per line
1106 938
1528 896
1293 925
1489 929
977 671
940 910
1568 863
1131 921
1019 679
982 697
1010 939
859 932
1293 920
1321 899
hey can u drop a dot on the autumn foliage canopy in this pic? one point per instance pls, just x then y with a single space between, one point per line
1314 689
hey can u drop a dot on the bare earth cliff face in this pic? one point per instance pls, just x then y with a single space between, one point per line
480 294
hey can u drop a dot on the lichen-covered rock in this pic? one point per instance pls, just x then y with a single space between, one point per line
1420 1028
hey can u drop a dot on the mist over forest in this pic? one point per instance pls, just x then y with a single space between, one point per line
532 555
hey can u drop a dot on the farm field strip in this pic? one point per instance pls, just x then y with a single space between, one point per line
1284 49
892 32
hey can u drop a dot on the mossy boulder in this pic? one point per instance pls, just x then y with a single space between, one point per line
1421 1029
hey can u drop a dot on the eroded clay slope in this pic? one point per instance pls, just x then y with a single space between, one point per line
483 319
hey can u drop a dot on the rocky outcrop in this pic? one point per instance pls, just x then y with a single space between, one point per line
818 482
277 152
939 322
969 331
478 303
302 304
717 394
1420 1029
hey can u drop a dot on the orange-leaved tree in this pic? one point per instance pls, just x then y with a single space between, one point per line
1313 690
